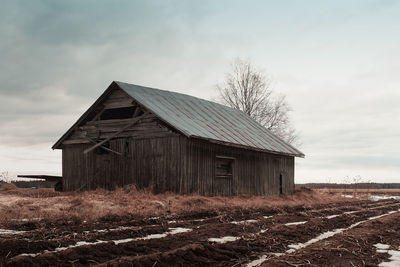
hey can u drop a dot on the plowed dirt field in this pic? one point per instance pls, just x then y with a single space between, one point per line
336 234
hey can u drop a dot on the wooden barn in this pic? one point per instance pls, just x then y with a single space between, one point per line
173 142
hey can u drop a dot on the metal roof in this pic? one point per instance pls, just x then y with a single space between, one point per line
199 118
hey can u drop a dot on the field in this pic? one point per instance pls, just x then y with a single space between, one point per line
127 227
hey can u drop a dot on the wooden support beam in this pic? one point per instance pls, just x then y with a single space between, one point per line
105 148
116 134
137 110
99 114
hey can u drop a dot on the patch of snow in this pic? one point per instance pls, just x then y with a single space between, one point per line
172 231
29 254
26 219
332 216
322 236
262 259
178 230
267 217
10 232
380 197
394 259
120 228
295 223
351 212
78 244
348 196
257 262
243 222
382 246
224 239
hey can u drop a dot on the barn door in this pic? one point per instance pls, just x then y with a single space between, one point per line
223 178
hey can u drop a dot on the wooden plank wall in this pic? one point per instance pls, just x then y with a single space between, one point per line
176 164
253 172
145 162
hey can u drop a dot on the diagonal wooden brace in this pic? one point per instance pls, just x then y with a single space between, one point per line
105 148
136 120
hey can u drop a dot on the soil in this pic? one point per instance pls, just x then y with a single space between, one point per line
268 234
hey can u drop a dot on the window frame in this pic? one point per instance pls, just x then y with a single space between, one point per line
231 161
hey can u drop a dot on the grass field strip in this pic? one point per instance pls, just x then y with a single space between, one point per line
394 259
295 247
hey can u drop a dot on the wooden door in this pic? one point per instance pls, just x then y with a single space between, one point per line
224 175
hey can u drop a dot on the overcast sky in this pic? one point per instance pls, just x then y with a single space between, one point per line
338 63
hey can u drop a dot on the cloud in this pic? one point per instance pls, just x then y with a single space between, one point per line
337 62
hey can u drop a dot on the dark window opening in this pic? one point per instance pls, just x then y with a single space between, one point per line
280 184
100 150
117 113
224 167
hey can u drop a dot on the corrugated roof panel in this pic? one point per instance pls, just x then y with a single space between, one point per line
200 118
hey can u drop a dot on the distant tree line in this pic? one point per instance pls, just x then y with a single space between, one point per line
352 186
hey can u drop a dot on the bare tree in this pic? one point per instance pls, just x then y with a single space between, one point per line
248 89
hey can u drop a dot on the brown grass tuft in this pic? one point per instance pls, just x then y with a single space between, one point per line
17 203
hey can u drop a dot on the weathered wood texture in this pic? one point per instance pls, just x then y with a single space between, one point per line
176 164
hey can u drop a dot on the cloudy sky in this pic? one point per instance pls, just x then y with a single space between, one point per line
338 63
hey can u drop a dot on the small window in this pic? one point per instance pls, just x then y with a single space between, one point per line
224 167
117 113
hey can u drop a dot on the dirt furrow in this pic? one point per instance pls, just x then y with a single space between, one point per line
278 237
354 247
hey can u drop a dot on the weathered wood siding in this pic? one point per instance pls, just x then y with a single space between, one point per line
253 172
176 163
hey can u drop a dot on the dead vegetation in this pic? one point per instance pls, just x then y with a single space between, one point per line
46 204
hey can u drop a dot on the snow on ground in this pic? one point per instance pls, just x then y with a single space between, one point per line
394 259
171 231
10 232
243 222
348 196
295 223
379 197
222 240
295 247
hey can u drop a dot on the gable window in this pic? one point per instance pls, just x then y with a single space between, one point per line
117 113
224 167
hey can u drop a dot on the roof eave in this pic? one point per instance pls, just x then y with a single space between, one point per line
299 155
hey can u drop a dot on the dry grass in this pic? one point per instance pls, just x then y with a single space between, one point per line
17 203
